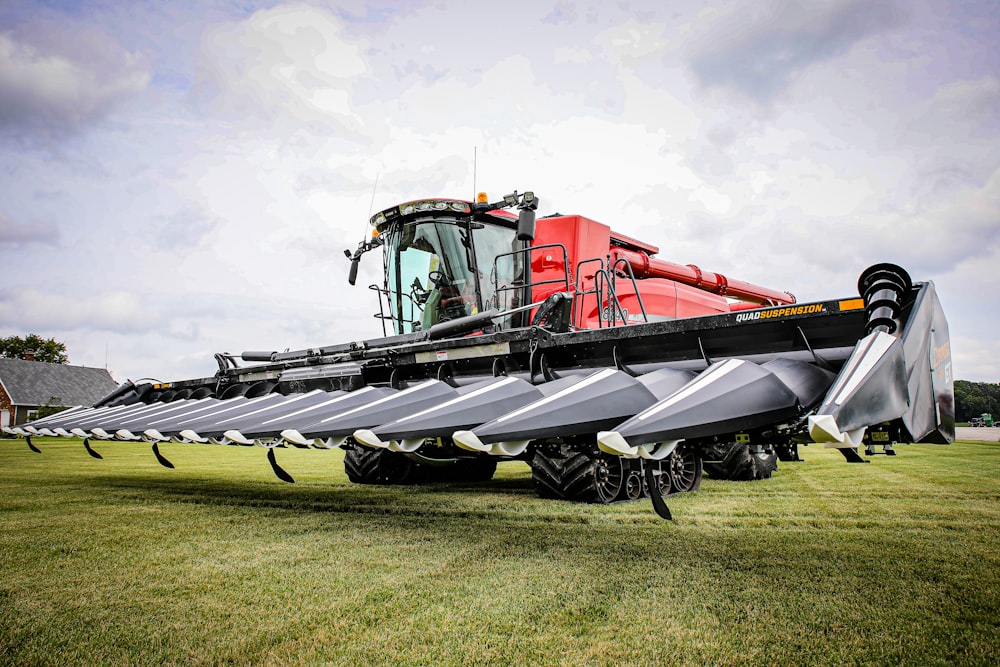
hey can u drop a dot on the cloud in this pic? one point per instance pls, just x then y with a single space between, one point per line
966 111
834 221
56 81
46 311
978 358
947 231
758 51
977 99
490 102
184 229
13 233
290 63
633 41
562 13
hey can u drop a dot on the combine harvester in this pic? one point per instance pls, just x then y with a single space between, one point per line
558 342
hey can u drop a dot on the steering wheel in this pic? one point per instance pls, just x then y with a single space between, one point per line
439 279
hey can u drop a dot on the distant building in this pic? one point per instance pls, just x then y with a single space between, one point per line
26 386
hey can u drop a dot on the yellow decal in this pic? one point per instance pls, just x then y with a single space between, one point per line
787 311
852 304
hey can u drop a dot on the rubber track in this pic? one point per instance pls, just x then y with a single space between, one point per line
360 468
473 470
739 464
461 471
568 476
546 477
368 466
579 478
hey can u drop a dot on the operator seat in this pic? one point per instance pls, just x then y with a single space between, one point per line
432 309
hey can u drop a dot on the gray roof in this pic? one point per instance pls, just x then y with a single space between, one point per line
34 383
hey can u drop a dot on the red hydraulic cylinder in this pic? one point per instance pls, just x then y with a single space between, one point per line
644 266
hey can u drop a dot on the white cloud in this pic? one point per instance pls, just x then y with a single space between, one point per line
572 54
14 233
976 359
633 41
37 310
758 48
292 62
54 83
943 233
979 98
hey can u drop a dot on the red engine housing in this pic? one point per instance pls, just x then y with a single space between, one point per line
595 259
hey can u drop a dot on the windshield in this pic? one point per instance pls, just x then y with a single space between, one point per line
436 272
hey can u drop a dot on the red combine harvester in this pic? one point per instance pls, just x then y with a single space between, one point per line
556 341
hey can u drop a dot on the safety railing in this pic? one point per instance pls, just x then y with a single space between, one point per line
517 292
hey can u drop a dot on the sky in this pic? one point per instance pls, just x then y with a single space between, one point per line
181 178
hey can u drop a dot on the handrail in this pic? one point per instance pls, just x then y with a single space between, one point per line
635 286
526 254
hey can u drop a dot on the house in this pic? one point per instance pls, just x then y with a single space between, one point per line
25 386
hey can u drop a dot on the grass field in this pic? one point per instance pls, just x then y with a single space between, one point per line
122 561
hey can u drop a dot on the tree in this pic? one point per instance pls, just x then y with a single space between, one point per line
46 349
974 398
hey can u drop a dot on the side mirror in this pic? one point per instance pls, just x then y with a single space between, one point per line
353 275
526 225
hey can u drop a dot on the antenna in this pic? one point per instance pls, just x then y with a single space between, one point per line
371 205
365 244
475 163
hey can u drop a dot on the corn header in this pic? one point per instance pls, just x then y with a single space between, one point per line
556 341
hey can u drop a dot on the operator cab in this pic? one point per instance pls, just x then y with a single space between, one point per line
443 260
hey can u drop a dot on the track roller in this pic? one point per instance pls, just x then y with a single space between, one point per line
684 469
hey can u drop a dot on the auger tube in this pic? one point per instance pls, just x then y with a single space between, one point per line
644 266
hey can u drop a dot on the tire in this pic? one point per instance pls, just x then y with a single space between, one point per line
379 466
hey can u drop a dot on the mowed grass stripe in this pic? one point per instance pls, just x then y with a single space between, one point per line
122 561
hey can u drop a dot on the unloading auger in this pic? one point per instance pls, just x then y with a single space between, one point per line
615 375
